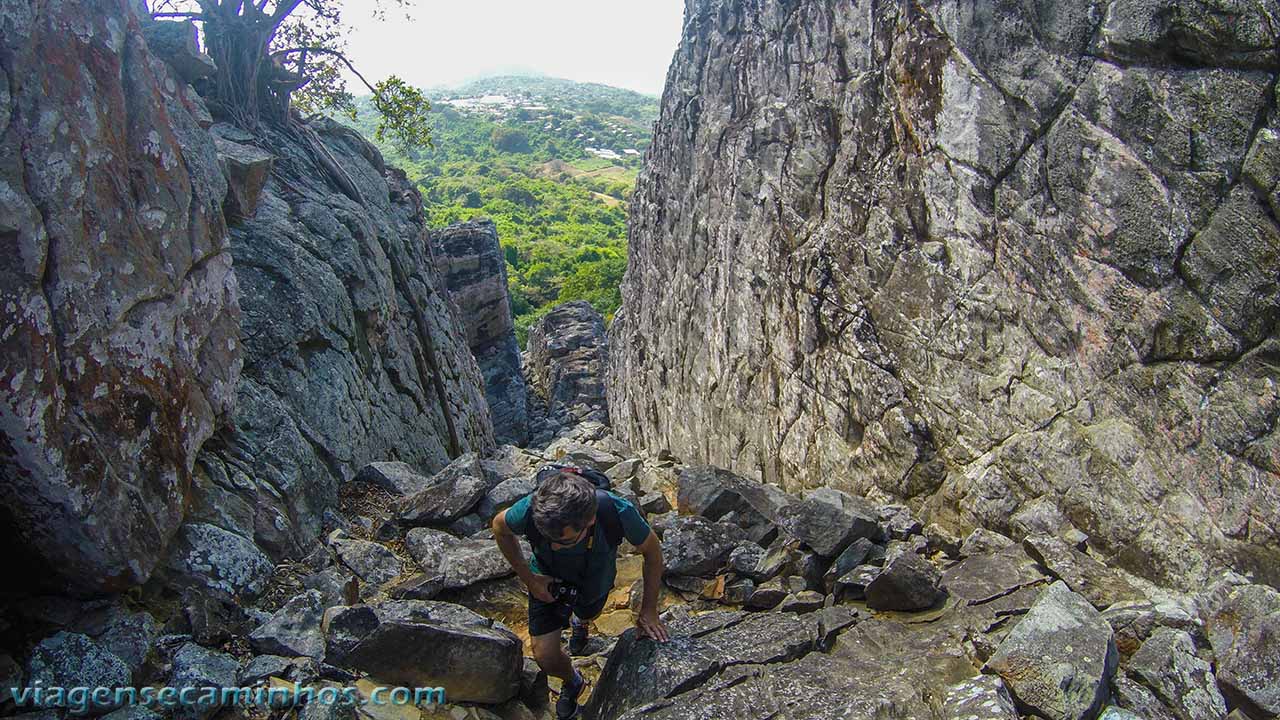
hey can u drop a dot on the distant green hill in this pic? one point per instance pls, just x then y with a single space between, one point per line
552 162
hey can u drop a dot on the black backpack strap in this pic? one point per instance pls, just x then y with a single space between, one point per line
607 516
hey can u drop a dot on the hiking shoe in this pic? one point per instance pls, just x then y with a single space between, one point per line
578 637
567 703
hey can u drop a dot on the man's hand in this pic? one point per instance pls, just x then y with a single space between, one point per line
540 587
649 624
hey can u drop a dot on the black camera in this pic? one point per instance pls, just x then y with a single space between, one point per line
564 592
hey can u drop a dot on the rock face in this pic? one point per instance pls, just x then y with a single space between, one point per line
969 254
474 269
354 354
566 358
120 350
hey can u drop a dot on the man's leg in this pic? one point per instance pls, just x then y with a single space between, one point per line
546 622
551 656
582 615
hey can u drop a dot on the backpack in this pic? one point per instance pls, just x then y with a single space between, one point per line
606 510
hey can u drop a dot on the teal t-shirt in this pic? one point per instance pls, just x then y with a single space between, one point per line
591 565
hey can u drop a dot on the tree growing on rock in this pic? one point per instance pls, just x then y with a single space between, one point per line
278 55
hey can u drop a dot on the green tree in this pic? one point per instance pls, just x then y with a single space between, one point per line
274 55
508 140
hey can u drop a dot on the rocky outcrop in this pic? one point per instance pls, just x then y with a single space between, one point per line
121 350
968 255
470 260
565 361
353 352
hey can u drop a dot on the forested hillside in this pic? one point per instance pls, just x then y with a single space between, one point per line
552 162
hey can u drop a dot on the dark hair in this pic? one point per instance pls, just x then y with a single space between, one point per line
564 500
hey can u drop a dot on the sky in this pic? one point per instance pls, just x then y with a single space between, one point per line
624 43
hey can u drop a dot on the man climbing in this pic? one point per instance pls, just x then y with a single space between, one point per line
574 529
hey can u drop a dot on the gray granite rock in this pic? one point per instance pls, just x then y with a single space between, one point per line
120 306
861 552
395 477
195 666
471 263
70 660
828 521
565 361
1084 574
124 633
459 562
1167 663
452 493
427 644
767 596
1242 623
936 254
983 541
693 545
294 630
906 582
699 648
504 495
354 352
1042 675
853 584
175 42
227 565
372 562
982 698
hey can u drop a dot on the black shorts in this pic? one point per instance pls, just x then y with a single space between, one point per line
552 617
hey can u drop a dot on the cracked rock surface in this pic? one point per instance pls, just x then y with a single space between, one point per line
968 255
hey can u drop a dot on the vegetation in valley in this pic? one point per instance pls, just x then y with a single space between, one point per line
552 163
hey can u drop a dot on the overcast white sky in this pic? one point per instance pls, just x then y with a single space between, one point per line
624 43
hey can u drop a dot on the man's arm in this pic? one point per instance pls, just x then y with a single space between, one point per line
654 567
509 544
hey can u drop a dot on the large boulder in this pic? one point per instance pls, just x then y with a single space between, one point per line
693 545
567 353
1243 624
294 630
981 578
459 562
452 493
198 667
640 671
122 632
982 698
121 349
714 492
222 563
828 521
427 644
906 582
396 478
1167 663
1046 678
372 562
474 268
971 256
69 660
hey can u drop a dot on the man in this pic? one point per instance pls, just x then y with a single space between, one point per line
570 537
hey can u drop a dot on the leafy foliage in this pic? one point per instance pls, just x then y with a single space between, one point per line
559 211
276 54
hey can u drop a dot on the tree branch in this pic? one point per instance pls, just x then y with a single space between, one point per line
333 53
199 15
